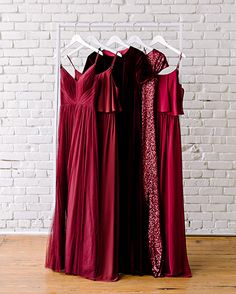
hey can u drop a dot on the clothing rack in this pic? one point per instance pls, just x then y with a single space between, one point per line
89 25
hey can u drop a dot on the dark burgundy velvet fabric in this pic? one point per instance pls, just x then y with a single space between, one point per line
130 71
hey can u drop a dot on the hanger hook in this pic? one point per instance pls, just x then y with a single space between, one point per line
91 25
75 26
113 29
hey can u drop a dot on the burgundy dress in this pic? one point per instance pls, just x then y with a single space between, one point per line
150 180
92 212
130 72
55 255
169 107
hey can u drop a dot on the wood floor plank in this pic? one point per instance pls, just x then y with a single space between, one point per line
212 261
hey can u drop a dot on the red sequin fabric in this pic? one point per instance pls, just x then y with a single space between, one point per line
158 62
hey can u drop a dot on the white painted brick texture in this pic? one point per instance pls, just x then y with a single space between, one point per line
27 43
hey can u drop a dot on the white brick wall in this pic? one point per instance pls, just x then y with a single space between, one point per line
27 43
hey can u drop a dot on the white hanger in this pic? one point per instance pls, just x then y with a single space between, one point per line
136 39
99 44
77 39
95 40
116 39
161 40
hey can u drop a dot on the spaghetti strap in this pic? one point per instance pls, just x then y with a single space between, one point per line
180 57
71 61
99 49
114 60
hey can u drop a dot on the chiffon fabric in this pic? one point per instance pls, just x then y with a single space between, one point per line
92 209
55 255
169 107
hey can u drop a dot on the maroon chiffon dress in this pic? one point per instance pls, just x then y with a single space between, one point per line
84 235
92 212
55 255
169 107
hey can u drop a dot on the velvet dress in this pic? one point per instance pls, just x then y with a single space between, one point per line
130 71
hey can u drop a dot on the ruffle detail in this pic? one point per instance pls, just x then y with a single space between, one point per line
171 95
108 99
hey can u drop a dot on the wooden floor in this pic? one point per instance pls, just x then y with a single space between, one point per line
212 260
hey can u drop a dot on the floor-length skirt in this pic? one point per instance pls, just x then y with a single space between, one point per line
92 222
55 253
108 206
171 197
82 211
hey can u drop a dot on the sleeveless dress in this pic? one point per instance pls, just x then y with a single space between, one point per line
92 213
55 253
169 107
150 159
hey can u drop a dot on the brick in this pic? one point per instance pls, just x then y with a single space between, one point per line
15 17
25 215
8 8
223 215
213 207
230 191
54 8
222 182
6 215
220 165
131 8
68 17
183 9
200 215
39 17
24 26
82 8
14 52
24 223
158 9
12 35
